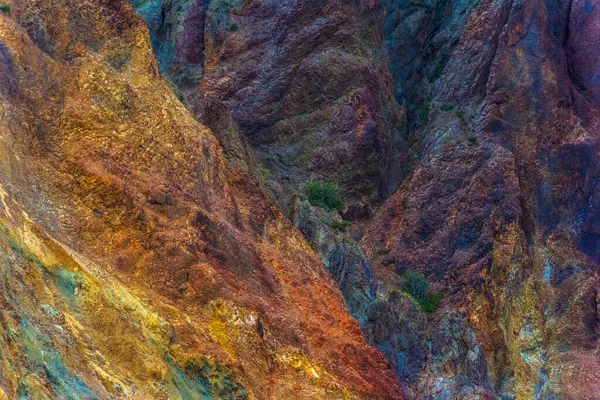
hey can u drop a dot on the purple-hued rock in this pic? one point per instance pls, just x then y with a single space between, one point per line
475 122
501 211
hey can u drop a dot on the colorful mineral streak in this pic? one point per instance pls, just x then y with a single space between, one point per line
300 199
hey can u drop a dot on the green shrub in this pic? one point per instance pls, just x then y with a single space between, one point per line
431 303
234 27
5 8
414 283
417 287
473 141
382 252
424 114
446 107
340 226
326 195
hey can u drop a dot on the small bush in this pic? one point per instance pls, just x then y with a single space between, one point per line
234 27
431 303
382 252
446 107
414 283
340 226
424 114
326 195
473 141
417 287
5 9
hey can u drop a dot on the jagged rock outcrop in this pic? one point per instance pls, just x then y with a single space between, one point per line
306 82
463 136
325 231
500 212
438 358
136 262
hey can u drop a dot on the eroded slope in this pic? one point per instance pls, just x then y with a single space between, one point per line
501 209
136 259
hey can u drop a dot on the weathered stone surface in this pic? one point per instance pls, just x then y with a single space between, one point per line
306 82
500 211
399 329
136 261
472 124
326 232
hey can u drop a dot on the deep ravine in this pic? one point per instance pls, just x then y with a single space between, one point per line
494 158
159 238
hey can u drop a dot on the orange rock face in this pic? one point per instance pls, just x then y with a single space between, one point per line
136 261
440 157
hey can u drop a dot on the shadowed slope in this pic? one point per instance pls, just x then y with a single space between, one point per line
174 275
501 210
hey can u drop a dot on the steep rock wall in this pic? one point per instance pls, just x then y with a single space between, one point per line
500 210
307 84
137 262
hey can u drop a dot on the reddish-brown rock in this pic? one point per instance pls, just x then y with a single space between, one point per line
165 271
500 212
307 83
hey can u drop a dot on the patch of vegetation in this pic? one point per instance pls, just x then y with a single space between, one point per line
5 8
424 114
417 287
439 69
431 303
476 4
473 141
461 115
325 195
447 107
234 27
414 283
382 252
340 226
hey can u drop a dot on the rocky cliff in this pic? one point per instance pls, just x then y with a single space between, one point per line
136 261
160 233
500 211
